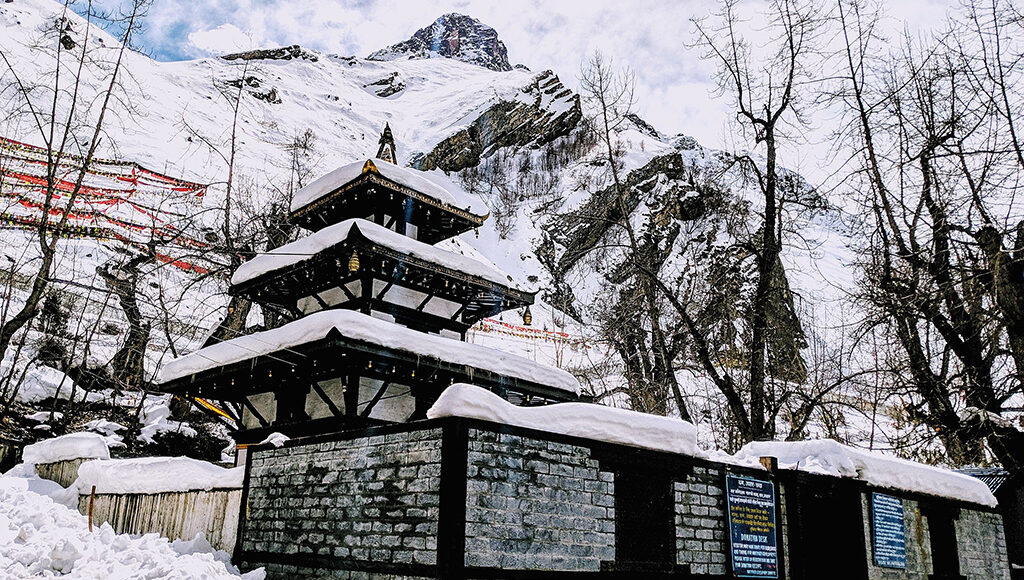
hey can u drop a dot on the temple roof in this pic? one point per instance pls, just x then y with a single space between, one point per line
331 236
348 173
376 187
421 286
354 328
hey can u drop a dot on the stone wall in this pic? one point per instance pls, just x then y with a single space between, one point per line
355 504
374 507
701 534
536 505
919 559
982 545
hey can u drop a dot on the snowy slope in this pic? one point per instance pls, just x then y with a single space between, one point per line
180 124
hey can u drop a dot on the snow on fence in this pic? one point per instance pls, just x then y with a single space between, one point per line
58 459
176 497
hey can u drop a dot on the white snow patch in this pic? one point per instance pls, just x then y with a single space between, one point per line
358 326
51 489
829 457
66 447
585 420
155 475
42 382
40 538
44 416
328 237
155 418
276 439
105 427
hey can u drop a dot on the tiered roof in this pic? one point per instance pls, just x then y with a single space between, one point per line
375 186
371 253
312 274
292 346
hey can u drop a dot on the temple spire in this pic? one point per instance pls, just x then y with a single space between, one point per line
387 151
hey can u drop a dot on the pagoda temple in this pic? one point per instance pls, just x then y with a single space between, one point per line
378 314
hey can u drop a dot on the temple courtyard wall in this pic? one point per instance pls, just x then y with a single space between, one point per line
462 498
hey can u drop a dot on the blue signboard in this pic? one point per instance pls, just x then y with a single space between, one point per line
751 504
888 534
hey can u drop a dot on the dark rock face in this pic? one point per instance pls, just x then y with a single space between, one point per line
544 111
452 36
387 86
284 53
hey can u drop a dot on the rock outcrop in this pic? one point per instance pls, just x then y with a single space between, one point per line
543 111
453 36
284 53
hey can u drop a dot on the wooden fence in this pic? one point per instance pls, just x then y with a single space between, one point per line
174 515
10 453
63 472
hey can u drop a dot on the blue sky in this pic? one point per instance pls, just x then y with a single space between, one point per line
674 85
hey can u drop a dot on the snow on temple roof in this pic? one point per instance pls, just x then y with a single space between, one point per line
587 420
335 179
828 457
307 247
66 447
156 475
364 328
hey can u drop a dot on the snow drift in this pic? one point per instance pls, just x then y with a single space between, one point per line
585 420
831 458
42 539
67 447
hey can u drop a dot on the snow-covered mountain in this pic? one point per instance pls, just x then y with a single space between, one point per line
455 36
504 137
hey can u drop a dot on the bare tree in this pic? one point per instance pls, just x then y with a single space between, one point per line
768 100
54 111
632 316
943 253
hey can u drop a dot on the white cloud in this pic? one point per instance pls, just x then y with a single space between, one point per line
224 39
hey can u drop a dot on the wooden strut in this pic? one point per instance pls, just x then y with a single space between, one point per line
323 303
255 413
424 303
92 499
326 399
376 399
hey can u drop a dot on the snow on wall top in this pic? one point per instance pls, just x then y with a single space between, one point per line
310 245
831 458
361 327
590 421
67 447
347 173
156 475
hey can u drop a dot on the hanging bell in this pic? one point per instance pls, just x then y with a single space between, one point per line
353 262
527 317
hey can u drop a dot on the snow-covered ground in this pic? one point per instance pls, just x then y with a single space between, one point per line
42 535
40 538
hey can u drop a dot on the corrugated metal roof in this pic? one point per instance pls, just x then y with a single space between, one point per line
992 476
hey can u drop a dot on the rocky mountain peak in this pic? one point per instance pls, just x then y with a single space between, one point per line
454 36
